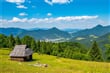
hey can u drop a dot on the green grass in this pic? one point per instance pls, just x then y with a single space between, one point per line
55 65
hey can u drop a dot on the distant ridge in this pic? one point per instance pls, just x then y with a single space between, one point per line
98 30
55 33
14 31
52 33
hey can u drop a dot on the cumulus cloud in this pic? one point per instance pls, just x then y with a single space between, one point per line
15 20
16 1
21 6
49 14
51 2
60 22
23 14
70 18
52 20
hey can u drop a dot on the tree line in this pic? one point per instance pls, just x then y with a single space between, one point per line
72 50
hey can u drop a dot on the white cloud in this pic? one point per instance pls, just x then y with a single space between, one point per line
52 20
15 20
60 22
70 18
51 2
19 3
3 21
21 6
16 1
49 14
23 14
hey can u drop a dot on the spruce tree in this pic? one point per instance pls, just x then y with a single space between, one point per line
11 41
3 41
18 40
27 40
43 47
95 52
38 46
107 52
33 45
55 51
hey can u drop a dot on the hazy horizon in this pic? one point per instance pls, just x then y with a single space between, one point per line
35 28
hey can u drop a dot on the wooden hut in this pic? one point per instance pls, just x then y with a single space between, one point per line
21 53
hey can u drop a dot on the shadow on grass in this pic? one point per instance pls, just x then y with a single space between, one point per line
35 60
32 60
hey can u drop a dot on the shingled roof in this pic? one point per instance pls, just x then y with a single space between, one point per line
21 51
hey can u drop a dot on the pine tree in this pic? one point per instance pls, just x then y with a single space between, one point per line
95 52
17 40
43 47
33 45
38 46
49 48
11 41
27 40
107 52
55 50
3 41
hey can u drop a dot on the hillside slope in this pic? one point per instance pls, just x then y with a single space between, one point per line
14 31
39 34
99 30
87 40
55 65
52 33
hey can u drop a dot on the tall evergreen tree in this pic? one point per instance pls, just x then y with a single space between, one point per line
49 48
27 40
43 47
107 52
38 46
55 50
95 52
18 40
11 41
3 41
33 45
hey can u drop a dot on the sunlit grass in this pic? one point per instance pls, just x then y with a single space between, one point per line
55 65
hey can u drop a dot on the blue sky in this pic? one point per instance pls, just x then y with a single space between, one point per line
54 13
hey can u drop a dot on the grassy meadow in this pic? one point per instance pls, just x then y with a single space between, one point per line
55 65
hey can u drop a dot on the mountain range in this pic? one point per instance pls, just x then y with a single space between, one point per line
38 34
98 30
14 31
41 34
57 34
101 34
